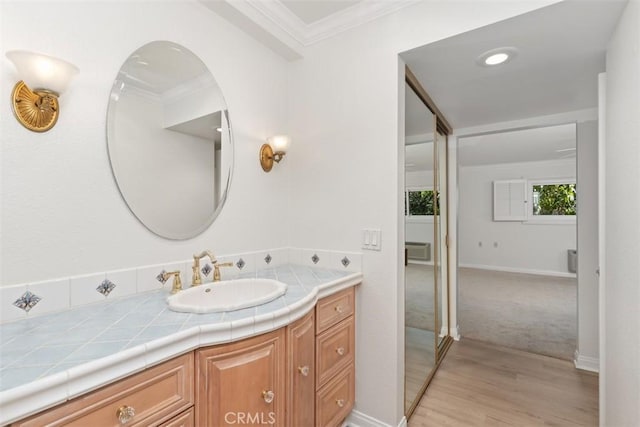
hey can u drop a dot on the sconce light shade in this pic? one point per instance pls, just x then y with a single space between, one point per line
35 97
279 143
273 151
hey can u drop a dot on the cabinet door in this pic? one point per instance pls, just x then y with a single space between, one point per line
242 383
300 372
151 396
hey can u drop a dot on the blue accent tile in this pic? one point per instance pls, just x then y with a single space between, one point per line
27 301
161 277
315 258
345 262
206 269
268 259
106 287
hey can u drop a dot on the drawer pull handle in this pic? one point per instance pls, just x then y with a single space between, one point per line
339 309
268 396
125 414
340 402
340 351
304 370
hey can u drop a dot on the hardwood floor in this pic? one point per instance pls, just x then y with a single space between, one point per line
419 361
481 384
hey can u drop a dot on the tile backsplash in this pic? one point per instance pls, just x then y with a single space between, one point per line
33 299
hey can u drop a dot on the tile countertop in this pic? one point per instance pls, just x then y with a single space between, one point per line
49 359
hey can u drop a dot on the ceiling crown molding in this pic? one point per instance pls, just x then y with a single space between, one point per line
306 34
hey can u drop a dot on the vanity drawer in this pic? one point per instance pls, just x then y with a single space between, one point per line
335 400
155 395
334 350
185 419
334 308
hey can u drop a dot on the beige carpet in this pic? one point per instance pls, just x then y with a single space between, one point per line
531 313
419 297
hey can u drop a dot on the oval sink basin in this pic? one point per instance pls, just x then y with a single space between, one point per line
227 295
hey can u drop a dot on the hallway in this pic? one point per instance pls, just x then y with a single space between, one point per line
480 384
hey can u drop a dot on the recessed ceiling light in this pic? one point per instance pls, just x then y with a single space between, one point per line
497 56
219 129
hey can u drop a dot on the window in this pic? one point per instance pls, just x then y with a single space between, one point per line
419 202
553 199
536 201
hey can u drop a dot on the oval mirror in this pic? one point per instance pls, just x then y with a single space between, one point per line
169 140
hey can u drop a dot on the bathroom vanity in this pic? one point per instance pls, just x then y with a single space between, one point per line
298 374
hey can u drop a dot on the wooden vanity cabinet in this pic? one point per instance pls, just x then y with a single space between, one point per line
335 358
300 375
242 383
153 397
301 385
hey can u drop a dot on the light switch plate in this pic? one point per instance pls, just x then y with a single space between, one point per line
371 239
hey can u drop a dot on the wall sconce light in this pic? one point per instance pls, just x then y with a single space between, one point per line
274 150
35 98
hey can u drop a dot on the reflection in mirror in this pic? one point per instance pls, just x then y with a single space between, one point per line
169 140
420 325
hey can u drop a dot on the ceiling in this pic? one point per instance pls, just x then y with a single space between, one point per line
310 11
529 145
287 26
560 51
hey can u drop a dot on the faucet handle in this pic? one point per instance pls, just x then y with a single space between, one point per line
216 269
177 283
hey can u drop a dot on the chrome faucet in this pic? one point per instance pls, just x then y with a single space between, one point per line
197 279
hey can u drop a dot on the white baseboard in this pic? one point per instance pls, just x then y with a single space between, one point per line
586 363
519 270
358 419
417 261
455 332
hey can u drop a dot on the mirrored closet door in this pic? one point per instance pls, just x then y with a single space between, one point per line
426 268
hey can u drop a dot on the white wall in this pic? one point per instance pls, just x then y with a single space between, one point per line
61 211
526 247
344 100
622 237
587 194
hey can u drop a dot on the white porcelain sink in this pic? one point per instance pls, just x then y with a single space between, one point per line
226 295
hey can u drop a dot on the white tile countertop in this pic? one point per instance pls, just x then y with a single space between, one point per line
50 359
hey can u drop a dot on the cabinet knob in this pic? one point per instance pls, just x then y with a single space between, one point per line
304 370
338 309
268 396
125 414
340 402
340 351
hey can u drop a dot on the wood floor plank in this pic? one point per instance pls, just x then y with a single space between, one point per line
480 384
